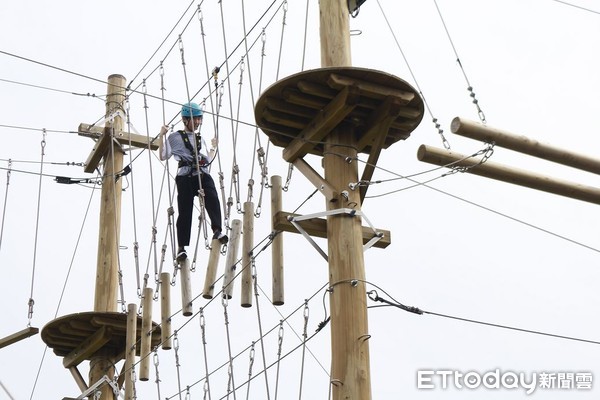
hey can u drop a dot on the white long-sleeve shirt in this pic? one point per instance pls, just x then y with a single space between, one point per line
174 146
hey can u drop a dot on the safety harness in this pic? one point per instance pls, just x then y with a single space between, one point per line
188 145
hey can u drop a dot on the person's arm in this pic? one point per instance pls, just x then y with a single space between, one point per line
213 150
164 150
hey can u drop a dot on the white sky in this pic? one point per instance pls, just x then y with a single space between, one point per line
471 248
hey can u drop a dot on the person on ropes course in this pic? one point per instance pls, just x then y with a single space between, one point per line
189 150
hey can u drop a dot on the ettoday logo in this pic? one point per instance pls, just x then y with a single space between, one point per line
497 379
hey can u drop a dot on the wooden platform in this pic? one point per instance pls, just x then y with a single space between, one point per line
299 111
81 336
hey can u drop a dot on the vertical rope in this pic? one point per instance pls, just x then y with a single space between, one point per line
153 250
157 380
135 240
260 330
8 172
37 225
230 380
304 335
203 330
279 347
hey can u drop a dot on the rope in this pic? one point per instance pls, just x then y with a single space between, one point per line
135 238
469 87
304 335
37 225
155 206
8 172
260 330
230 381
433 119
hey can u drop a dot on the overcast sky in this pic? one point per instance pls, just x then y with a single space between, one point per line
462 246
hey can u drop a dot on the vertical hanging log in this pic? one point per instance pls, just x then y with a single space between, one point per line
277 245
130 340
165 310
146 335
211 269
186 287
248 243
232 258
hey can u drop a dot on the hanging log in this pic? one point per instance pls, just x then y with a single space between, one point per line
211 269
504 173
277 245
130 344
248 243
232 258
165 310
522 144
146 335
186 287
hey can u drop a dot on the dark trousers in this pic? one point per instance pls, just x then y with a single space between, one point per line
187 190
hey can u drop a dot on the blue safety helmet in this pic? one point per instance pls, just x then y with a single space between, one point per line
191 110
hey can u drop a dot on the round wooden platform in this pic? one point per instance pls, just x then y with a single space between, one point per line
298 111
88 330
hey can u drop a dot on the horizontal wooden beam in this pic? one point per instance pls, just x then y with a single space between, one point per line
370 89
323 123
103 142
15 337
88 347
318 227
522 144
490 169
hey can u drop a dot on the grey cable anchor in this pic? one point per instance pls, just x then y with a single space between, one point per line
295 221
375 297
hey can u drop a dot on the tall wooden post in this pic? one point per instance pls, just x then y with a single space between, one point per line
350 369
107 268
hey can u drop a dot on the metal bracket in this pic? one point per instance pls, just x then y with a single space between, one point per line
348 211
105 380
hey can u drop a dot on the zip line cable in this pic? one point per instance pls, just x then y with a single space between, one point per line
375 297
53 67
53 89
576 6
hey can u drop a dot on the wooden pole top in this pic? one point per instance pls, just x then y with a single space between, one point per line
299 111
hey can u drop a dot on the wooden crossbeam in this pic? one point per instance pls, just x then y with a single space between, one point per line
318 227
369 89
104 140
327 119
88 347
15 337
316 179
377 128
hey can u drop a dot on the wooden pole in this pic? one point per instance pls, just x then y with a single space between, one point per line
232 258
247 244
107 267
186 287
522 144
130 349
165 310
350 370
211 269
277 245
146 335
500 172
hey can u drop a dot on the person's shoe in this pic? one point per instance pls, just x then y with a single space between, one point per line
221 237
182 255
